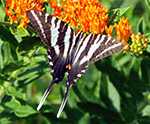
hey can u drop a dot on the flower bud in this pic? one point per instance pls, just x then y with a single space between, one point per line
133 36
124 42
146 40
127 47
145 45
141 52
143 35
139 44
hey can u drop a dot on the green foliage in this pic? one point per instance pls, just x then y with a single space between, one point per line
114 90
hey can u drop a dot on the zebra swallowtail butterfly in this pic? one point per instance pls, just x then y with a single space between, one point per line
69 52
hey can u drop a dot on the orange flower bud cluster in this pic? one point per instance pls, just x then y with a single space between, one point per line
139 44
16 10
89 16
123 29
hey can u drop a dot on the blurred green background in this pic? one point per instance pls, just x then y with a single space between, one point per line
114 90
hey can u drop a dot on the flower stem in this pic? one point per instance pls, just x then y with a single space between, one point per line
31 29
144 104
5 23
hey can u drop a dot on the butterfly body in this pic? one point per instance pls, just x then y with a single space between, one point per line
69 52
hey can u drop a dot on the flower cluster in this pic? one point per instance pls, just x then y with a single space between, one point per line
123 29
139 44
16 10
89 16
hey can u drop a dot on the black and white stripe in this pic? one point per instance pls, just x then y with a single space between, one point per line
65 48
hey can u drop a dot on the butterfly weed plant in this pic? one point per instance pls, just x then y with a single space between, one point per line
114 90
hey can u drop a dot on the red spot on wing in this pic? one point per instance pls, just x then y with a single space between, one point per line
68 66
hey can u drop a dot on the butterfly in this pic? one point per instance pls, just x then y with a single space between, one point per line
68 51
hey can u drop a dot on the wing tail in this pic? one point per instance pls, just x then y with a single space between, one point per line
64 101
45 94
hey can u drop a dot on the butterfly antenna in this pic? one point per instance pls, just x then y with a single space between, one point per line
63 102
45 95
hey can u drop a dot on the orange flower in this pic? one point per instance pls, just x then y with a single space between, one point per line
16 10
109 30
123 29
89 16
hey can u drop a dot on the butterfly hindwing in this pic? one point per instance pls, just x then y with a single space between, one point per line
91 48
105 46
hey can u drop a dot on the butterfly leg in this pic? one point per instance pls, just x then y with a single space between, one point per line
68 85
45 94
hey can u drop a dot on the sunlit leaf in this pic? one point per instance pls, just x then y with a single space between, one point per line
19 31
24 111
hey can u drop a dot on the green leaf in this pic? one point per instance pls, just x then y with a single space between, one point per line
5 35
32 74
98 110
5 120
17 93
20 110
13 66
144 120
146 111
140 25
12 104
6 52
1 55
147 35
24 111
123 10
19 31
28 44
111 19
104 89
148 3
1 109
145 68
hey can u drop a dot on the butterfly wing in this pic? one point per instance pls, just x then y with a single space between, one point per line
58 37
90 48
65 48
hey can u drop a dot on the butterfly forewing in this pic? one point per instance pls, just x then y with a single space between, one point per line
57 35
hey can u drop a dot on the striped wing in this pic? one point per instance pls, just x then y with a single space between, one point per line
58 37
90 48
64 48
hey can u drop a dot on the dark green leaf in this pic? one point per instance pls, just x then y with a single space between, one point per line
5 35
145 68
111 19
28 44
104 113
12 67
140 25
